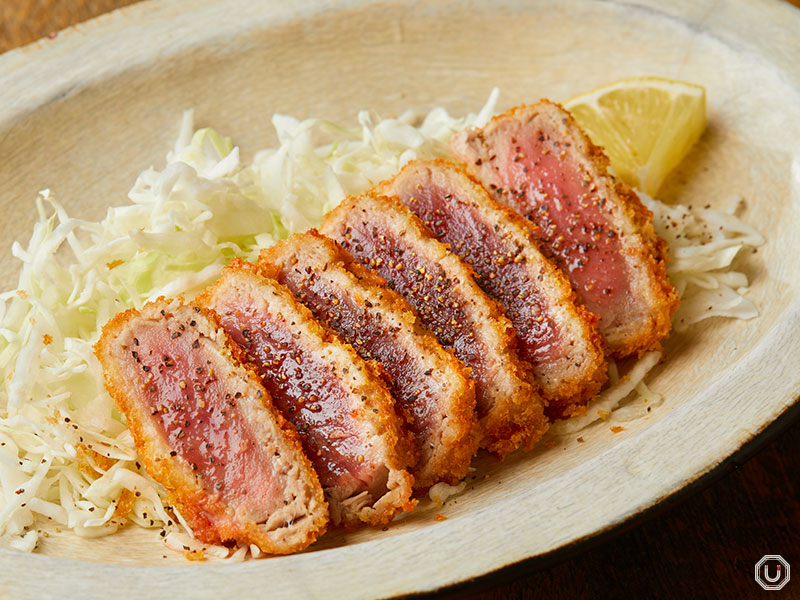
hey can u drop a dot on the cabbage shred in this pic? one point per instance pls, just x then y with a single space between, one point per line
66 456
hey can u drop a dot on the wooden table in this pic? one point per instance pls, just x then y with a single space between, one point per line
704 544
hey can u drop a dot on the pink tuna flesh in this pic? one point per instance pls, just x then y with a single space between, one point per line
543 182
307 392
189 400
495 261
373 340
426 286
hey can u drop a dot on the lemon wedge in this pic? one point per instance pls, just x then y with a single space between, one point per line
646 125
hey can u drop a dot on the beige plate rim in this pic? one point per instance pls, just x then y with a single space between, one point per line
102 48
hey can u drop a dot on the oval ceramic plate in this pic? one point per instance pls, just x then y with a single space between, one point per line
85 113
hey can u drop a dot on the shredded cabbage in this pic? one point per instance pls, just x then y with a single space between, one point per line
65 454
440 492
703 243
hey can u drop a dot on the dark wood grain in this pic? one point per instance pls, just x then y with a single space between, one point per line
704 548
24 21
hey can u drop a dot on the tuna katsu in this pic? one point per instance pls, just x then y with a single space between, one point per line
343 412
206 430
536 160
389 239
426 380
559 339
452 307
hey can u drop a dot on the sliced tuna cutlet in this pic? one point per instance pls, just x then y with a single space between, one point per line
343 412
206 430
557 337
536 160
386 237
426 380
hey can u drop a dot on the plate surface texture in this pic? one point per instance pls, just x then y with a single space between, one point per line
85 113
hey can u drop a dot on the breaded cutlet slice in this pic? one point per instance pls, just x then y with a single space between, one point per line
343 412
426 380
556 336
536 160
206 430
386 237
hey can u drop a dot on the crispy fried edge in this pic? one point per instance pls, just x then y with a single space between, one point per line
398 444
504 429
649 251
571 397
182 490
450 460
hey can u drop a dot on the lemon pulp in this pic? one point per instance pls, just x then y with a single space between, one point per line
646 125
